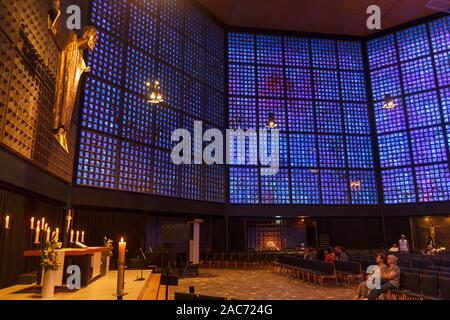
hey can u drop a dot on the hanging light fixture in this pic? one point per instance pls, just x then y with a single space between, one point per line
389 102
355 185
271 121
155 95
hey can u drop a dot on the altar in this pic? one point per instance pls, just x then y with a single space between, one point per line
88 259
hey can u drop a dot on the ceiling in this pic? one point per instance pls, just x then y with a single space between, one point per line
343 17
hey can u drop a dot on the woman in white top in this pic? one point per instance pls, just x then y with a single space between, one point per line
403 245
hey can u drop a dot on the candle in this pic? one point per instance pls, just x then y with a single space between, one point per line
48 235
121 269
82 236
71 236
78 236
46 226
57 235
38 231
7 222
42 222
32 223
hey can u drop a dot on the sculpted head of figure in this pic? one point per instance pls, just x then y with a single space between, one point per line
90 35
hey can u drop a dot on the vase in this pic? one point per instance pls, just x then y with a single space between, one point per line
48 287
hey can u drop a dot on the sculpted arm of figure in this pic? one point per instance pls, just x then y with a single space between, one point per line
53 19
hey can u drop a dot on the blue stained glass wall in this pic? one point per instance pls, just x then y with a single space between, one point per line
412 65
125 142
316 90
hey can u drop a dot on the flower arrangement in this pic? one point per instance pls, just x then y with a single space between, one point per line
48 256
108 243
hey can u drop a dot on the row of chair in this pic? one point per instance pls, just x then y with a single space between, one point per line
415 286
193 296
238 259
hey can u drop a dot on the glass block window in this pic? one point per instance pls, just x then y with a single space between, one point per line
334 187
443 68
296 52
445 98
192 181
363 188
303 150
440 37
398 186
433 183
359 152
356 118
305 187
241 80
244 185
386 81
390 120
137 119
324 53
170 45
326 84
135 167
270 82
141 69
277 107
214 183
329 117
382 51
167 121
298 83
418 75
300 115
241 48
166 174
275 188
269 49
428 145
353 86
413 42
332 151
242 113
394 150
350 55
423 109
143 27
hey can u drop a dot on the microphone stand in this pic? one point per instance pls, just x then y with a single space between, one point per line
142 271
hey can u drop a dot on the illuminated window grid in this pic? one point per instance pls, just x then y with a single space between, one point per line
270 82
167 120
300 115
386 81
215 185
143 26
359 152
137 119
166 174
418 75
215 77
350 55
433 183
101 106
244 186
305 186
275 189
192 181
277 107
303 150
329 117
188 123
171 82
398 186
382 51
215 38
97 160
283 154
324 53
389 120
353 86
413 42
172 13
150 6
194 97
428 145
241 48
448 135
443 68
242 80
242 113
440 35
332 151
445 99
334 186
356 118
269 49
194 60
394 150
214 110
110 15
367 192
296 52
140 70
326 85
170 45
423 109
244 151
135 167
106 60
195 25
298 83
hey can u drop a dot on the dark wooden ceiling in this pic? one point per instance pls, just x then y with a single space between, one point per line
343 17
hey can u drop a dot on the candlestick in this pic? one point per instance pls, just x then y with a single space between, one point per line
48 235
37 233
78 236
57 235
82 236
71 236
121 269
7 222
32 223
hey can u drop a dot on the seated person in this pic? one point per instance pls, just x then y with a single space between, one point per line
307 255
330 257
394 248
362 290
390 278
342 256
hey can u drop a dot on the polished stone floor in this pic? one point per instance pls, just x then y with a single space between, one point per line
258 285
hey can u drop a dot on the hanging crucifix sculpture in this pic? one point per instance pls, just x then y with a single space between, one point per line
71 66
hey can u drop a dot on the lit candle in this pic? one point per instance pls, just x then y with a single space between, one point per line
48 235
7 222
46 226
57 235
71 236
121 269
78 236
36 235
82 236
43 222
32 223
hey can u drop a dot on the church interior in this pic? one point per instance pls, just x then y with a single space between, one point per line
224 150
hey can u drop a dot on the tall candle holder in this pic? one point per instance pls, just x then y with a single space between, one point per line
121 270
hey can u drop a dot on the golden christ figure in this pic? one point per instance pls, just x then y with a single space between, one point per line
71 66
